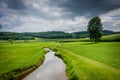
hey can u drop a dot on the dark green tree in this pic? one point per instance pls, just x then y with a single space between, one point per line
95 29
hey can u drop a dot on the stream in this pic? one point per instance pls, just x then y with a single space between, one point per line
53 68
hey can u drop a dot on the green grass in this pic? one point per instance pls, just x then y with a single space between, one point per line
20 56
115 37
108 38
87 61
84 60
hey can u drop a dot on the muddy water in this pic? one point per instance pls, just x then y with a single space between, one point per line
53 68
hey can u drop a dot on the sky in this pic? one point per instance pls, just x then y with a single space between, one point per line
57 15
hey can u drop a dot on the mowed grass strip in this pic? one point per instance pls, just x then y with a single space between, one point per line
86 61
20 56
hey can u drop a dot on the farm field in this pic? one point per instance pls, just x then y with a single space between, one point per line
87 61
84 60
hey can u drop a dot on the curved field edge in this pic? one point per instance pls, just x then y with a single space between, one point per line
108 38
18 60
80 67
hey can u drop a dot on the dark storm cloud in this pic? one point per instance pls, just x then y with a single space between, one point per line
93 7
77 7
13 4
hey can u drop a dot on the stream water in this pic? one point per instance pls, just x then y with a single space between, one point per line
53 68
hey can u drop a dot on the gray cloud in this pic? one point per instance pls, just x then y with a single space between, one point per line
87 8
93 7
64 15
13 4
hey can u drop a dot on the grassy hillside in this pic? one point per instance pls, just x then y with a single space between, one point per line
19 56
115 37
87 61
110 38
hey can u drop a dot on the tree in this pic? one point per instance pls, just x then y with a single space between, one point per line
95 29
10 41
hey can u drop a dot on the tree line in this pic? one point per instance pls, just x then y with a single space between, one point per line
47 35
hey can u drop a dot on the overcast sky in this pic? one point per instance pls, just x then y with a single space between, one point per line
57 15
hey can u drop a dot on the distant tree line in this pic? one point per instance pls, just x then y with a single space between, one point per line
50 35
14 36
47 35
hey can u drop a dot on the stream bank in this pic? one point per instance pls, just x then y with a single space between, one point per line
53 68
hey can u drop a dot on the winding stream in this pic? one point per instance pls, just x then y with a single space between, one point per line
53 68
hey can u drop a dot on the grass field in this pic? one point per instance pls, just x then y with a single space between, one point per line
84 60
87 61
19 56
115 37
108 38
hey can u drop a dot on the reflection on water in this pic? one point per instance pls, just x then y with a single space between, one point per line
53 68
